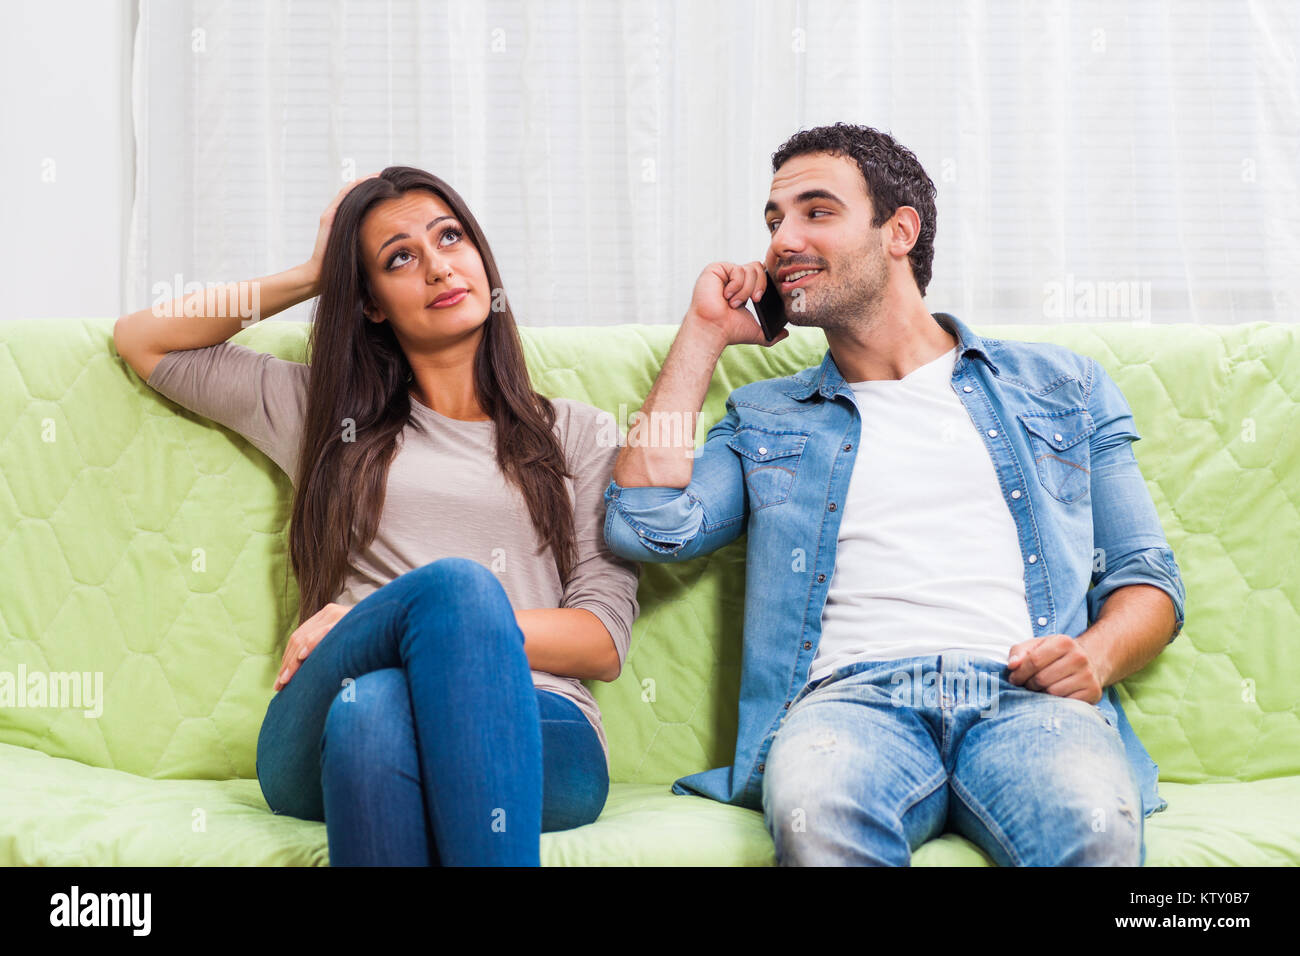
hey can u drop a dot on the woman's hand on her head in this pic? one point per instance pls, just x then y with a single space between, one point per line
313 265
304 640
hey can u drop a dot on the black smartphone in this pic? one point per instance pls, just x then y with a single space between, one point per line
770 309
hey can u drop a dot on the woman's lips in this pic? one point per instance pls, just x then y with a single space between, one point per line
448 299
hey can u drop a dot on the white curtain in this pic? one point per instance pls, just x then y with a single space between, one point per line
1095 160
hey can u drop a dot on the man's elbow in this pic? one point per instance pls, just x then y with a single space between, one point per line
1149 571
1162 599
1172 627
628 543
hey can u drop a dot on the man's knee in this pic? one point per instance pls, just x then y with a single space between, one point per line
1096 822
819 815
1099 827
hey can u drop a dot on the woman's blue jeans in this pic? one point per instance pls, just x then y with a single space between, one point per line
413 729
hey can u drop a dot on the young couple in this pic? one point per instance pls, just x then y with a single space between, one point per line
432 711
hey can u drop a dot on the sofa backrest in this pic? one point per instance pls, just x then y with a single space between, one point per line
148 545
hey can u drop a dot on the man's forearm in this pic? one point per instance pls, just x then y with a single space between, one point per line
679 390
1134 626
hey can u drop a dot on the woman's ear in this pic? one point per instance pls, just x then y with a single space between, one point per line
368 307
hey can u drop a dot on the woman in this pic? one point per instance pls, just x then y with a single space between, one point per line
428 709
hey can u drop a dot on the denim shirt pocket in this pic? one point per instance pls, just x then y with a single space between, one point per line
770 460
1061 451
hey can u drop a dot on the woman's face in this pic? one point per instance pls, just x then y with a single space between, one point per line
426 276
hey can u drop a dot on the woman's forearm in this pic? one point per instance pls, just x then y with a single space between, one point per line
568 642
210 316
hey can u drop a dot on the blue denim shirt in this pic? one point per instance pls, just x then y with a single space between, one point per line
1059 433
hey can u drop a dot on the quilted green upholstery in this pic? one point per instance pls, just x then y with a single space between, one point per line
144 543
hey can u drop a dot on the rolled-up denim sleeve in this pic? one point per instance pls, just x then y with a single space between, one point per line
676 524
1128 541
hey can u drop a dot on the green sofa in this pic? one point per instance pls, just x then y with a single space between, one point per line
147 545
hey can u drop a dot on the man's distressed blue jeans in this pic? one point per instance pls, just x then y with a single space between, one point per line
881 756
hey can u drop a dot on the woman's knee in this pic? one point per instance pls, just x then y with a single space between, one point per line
468 602
367 714
453 578
461 584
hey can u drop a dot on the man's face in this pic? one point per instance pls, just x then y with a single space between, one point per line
819 217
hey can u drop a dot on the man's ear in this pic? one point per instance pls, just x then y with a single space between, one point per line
903 229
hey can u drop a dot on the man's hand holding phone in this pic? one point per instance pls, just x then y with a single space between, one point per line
717 317
718 304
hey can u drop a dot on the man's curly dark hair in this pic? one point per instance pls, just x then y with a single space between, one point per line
893 174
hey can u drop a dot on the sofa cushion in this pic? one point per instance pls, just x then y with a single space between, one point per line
146 544
59 812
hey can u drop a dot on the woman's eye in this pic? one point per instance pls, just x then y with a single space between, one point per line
452 231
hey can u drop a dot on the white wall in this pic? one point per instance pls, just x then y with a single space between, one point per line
65 158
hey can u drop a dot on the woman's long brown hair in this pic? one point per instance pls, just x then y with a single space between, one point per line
359 374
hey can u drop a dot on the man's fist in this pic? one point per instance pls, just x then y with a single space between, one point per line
1056 664
718 303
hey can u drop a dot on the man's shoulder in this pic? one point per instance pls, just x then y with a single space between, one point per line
766 391
1040 366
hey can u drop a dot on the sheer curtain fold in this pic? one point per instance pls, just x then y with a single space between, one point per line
1095 161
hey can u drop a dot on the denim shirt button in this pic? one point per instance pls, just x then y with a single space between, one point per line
831 507
1042 622
1016 493
1057 436
761 766
807 645
849 446
993 433
787 705
821 578
967 388
1033 558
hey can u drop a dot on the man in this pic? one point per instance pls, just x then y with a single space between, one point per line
925 513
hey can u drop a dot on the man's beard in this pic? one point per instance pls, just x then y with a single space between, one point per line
845 297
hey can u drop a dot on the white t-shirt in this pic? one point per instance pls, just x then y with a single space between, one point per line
928 559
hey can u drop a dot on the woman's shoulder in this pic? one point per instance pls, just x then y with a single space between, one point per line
582 426
570 414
